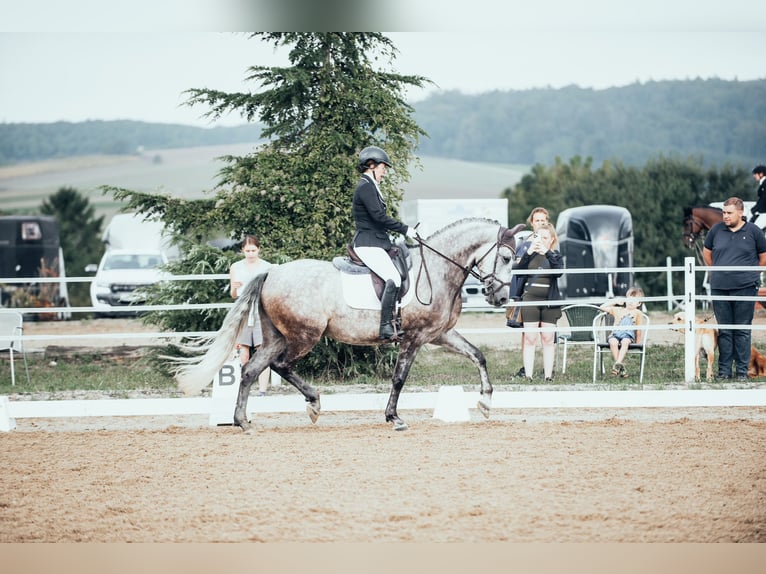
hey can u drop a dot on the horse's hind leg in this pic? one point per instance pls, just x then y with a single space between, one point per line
257 363
310 393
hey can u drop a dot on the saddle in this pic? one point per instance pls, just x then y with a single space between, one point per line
400 256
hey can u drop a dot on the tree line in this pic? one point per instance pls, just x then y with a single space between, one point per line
655 193
717 121
36 142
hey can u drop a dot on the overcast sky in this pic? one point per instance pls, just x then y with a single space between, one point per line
140 74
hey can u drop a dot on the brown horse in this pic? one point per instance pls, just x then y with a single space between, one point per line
293 322
697 222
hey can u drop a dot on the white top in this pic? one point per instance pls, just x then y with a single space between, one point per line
242 272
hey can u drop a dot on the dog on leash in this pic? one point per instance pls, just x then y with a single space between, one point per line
757 364
705 340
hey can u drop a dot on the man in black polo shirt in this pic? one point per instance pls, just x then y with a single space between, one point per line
734 243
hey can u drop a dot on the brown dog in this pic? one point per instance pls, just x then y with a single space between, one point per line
757 364
705 340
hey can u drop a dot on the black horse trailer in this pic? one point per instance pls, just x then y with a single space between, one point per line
596 236
30 249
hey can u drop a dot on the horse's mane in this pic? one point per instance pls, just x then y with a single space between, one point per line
459 222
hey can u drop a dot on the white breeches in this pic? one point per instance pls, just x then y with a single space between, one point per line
380 263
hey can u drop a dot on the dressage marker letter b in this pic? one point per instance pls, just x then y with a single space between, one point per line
224 395
227 375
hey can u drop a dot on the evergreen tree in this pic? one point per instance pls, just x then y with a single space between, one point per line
79 234
295 191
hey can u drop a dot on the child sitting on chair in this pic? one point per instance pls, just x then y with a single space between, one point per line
626 316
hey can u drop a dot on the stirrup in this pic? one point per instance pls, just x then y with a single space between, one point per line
389 332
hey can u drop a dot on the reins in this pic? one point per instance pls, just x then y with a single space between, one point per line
466 269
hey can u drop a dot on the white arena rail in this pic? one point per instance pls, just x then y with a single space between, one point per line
450 403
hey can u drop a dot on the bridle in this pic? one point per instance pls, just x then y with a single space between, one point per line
691 221
488 281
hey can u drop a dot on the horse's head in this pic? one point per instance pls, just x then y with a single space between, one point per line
698 220
692 228
497 278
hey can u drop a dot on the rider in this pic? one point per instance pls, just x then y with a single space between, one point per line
759 175
371 240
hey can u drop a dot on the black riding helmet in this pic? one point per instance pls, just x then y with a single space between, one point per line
375 154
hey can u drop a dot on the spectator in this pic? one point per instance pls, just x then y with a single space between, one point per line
626 315
537 217
542 253
240 274
734 242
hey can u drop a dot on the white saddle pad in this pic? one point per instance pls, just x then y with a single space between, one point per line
359 294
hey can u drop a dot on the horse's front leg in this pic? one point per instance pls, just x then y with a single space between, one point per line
404 361
454 341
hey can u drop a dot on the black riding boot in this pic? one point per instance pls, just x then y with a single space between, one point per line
387 303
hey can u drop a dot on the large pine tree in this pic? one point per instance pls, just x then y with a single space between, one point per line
294 192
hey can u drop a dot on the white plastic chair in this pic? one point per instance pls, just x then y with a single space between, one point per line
602 327
11 330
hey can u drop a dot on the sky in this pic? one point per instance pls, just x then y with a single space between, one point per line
136 64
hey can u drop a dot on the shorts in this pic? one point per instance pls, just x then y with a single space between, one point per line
622 335
251 335
539 314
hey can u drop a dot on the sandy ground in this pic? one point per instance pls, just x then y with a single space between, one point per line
640 475
351 478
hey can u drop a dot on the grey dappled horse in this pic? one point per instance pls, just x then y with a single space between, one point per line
301 301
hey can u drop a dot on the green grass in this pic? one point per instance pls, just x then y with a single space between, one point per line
111 373
134 371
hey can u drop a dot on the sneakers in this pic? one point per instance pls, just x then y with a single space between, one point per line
521 373
619 371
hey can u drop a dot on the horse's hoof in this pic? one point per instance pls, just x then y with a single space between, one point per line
313 412
399 425
484 408
246 427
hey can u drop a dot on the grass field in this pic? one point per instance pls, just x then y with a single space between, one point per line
190 172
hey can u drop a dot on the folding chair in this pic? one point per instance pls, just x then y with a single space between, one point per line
603 324
11 330
578 315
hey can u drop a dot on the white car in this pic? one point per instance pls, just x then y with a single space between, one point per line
119 275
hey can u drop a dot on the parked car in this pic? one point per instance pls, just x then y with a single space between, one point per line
119 277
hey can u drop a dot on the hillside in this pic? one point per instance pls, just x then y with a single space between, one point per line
715 120
189 172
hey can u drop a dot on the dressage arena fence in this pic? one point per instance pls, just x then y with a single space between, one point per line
449 403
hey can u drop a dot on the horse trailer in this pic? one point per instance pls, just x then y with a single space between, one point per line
596 236
30 249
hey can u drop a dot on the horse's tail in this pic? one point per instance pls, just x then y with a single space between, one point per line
195 373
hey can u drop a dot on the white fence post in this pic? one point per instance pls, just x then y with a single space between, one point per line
669 278
690 324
